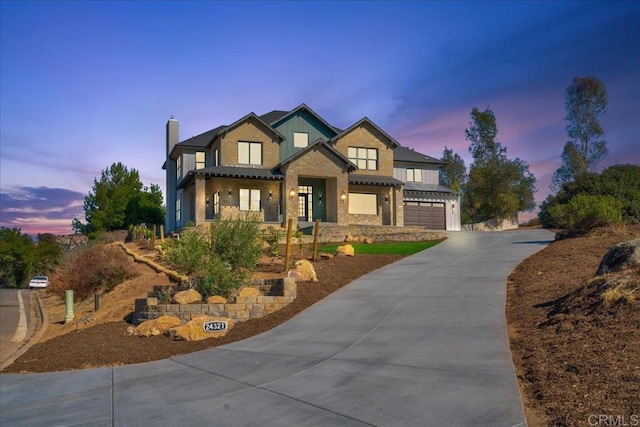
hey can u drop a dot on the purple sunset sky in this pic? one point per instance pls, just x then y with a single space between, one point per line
86 84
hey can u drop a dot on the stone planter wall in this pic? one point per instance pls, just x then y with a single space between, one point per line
277 294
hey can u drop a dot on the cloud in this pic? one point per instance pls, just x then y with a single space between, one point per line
40 209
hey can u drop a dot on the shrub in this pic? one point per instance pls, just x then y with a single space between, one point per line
271 236
584 212
221 261
189 254
100 268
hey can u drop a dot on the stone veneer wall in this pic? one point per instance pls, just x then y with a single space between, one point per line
277 294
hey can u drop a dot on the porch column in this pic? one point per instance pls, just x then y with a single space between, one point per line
201 201
398 204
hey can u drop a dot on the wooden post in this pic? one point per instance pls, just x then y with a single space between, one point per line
315 240
287 253
162 233
153 236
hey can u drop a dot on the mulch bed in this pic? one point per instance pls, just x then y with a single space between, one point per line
576 358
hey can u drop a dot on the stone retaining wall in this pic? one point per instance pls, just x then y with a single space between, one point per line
277 294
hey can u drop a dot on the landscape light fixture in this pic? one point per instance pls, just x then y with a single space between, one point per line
292 193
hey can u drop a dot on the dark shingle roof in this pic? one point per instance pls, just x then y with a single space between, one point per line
373 180
273 116
202 140
416 187
232 172
404 154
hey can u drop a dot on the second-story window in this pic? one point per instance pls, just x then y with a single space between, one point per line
364 158
414 175
249 153
300 139
200 157
179 168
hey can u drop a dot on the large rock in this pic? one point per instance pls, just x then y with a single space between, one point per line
249 292
190 296
622 256
216 299
345 250
157 326
303 271
195 330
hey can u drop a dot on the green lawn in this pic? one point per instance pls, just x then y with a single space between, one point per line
388 248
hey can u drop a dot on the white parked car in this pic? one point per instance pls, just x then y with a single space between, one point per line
39 282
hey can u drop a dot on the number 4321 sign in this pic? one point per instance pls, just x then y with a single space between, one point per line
215 326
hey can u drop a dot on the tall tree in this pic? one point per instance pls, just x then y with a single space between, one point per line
16 257
585 101
118 200
454 173
497 187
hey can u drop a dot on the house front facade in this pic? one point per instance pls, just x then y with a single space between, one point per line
281 165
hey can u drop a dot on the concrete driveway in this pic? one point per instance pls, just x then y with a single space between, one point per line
421 342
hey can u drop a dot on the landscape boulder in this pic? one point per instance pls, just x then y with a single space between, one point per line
303 271
216 299
200 328
157 326
249 292
345 250
620 257
190 296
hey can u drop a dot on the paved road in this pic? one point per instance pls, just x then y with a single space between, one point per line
421 342
15 315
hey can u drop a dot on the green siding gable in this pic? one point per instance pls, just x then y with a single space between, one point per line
301 121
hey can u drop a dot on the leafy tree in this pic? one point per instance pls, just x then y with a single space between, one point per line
21 258
585 102
454 173
16 257
497 187
118 200
619 181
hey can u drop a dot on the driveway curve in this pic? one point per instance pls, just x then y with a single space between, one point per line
421 342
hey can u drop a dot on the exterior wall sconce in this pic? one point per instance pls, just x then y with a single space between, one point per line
207 202
320 198
343 196
229 192
386 199
292 193
270 195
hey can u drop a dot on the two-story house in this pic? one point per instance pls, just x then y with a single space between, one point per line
287 164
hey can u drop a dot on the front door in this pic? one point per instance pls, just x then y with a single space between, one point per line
305 203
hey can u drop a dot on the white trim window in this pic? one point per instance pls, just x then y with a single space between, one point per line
300 139
414 175
250 200
363 203
200 160
249 153
364 158
179 168
178 211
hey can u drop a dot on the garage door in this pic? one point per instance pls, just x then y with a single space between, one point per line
424 214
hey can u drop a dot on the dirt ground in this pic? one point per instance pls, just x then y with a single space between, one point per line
576 358
98 338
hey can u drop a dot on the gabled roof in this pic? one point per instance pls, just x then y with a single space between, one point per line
404 154
317 144
373 180
258 119
359 123
302 107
